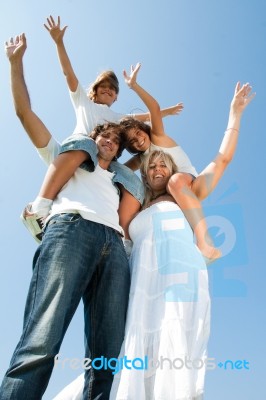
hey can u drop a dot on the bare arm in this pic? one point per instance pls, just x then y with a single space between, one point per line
165 112
128 208
158 135
210 176
133 163
60 171
57 34
37 131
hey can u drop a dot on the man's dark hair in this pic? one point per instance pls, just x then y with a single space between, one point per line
111 127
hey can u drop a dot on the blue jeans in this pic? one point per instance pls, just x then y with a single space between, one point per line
77 259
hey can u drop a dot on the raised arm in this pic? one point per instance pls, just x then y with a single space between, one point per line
158 134
165 112
57 34
242 97
210 176
37 131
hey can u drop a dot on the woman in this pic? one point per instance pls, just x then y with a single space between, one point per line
169 307
164 352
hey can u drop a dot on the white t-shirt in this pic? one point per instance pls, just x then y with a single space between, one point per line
90 114
91 194
50 152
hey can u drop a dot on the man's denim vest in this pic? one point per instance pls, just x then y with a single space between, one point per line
122 174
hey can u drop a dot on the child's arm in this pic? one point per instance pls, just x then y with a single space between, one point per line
134 162
158 135
57 35
165 112
210 176
60 171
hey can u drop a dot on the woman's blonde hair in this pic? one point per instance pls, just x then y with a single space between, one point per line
151 157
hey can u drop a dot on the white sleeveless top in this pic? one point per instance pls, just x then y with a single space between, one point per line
180 158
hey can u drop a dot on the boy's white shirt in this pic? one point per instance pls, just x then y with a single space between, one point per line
90 114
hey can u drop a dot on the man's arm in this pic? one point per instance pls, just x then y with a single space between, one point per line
57 35
60 171
37 131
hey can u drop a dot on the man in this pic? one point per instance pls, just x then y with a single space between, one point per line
81 256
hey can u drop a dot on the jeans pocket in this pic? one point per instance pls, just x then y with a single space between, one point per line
65 218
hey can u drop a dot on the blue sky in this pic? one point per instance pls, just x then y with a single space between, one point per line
191 51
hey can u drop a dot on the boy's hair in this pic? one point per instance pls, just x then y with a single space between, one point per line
108 76
154 156
111 127
131 123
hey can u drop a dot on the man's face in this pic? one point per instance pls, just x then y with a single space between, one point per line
108 144
105 94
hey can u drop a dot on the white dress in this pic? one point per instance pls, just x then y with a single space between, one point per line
168 318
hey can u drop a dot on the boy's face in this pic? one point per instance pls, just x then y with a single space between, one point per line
137 140
105 94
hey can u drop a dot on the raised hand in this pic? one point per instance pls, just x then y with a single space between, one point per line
16 47
242 97
54 29
175 110
131 79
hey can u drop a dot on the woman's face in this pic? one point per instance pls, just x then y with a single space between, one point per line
137 140
158 174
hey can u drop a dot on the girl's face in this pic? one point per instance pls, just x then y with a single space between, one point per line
158 174
137 140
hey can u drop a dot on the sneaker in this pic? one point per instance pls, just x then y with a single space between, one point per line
34 222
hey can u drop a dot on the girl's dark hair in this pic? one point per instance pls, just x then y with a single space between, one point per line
131 123
111 127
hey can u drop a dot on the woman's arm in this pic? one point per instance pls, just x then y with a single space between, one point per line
210 176
57 35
